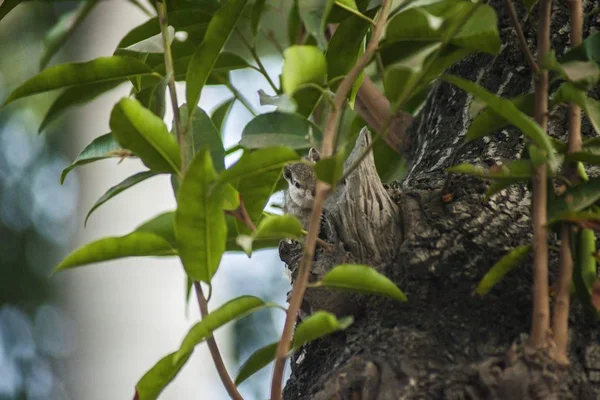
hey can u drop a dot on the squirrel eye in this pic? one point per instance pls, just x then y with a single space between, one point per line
297 184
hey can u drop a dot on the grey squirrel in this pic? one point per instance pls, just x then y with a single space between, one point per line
302 182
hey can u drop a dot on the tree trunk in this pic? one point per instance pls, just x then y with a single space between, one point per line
445 343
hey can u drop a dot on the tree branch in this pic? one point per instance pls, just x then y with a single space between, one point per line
522 42
560 317
541 307
323 191
202 303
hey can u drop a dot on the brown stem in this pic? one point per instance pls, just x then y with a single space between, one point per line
522 42
541 308
560 317
202 303
327 148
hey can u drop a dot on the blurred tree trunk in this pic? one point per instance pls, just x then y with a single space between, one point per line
433 345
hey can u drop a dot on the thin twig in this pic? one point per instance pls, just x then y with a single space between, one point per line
541 307
256 58
202 303
271 38
322 191
560 313
522 41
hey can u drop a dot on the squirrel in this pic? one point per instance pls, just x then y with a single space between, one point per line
302 182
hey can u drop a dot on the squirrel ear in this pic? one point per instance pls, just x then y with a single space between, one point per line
287 173
314 155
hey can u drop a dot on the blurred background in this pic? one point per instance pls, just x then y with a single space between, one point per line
92 332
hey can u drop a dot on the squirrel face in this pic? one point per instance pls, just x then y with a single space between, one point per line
302 181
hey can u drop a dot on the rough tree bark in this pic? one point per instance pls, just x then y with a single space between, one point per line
445 343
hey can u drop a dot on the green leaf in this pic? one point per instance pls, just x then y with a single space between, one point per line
319 324
304 72
153 44
585 266
589 50
75 96
147 240
7 6
70 74
302 65
255 176
583 74
272 227
257 361
115 190
501 268
361 278
294 24
153 97
569 93
434 22
401 78
200 227
162 225
487 121
344 47
314 15
202 133
255 15
507 110
331 169
139 130
529 4
514 169
575 198
105 146
63 29
233 237
219 29
228 312
220 114
279 129
159 376
588 156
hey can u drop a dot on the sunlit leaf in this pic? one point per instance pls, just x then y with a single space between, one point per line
280 129
304 67
361 278
159 376
273 227
162 225
200 227
105 146
146 240
63 29
219 29
136 128
583 74
119 188
319 324
70 74
501 268
228 312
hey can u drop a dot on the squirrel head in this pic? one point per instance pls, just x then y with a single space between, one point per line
302 180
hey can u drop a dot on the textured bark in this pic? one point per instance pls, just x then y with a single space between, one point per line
445 343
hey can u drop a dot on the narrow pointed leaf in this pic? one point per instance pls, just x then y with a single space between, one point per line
70 74
219 115
575 199
77 96
200 226
584 272
154 97
314 15
63 30
279 129
153 44
257 361
228 312
272 227
255 14
361 278
139 130
159 376
319 324
7 6
162 225
569 93
507 110
105 146
501 268
119 188
219 29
